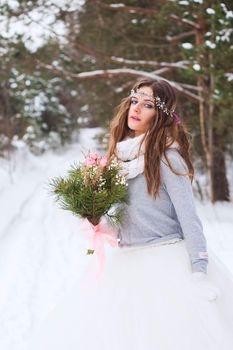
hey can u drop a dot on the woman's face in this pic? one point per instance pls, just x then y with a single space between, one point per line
142 110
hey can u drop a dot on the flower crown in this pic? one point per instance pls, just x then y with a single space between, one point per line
158 102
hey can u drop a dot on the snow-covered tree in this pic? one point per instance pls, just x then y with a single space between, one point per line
187 42
95 49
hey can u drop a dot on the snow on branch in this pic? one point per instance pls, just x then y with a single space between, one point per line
180 36
151 63
144 11
124 8
180 64
186 22
161 71
109 73
229 76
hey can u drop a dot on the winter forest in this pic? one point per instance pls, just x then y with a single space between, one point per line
65 65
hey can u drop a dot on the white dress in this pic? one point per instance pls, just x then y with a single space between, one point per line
147 299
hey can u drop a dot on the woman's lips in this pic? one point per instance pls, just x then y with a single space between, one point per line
134 117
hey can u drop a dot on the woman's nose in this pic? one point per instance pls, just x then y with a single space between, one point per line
137 107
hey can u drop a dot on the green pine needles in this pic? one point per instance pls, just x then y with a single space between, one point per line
93 189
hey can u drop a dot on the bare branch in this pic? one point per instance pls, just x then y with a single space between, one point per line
140 10
191 87
125 61
180 36
124 8
161 71
109 73
186 22
180 64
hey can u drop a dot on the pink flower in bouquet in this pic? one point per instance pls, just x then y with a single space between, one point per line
103 162
90 161
93 155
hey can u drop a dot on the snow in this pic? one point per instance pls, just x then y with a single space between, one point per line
187 46
210 11
117 5
228 13
40 243
196 67
229 76
184 2
39 24
225 35
35 33
217 221
210 44
179 64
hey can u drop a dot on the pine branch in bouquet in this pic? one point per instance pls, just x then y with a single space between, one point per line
115 215
92 188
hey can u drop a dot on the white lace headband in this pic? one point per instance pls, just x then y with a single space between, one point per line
158 102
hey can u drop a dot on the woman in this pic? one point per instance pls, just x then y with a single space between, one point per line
160 289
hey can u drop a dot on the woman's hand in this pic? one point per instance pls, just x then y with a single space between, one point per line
205 288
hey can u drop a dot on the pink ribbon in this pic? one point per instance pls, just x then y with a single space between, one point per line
98 236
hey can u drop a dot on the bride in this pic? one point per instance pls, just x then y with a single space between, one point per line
161 288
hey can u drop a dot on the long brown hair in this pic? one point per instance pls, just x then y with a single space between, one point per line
161 129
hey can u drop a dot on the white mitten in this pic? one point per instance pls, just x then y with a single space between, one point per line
205 288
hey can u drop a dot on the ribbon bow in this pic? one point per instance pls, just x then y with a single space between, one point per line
98 236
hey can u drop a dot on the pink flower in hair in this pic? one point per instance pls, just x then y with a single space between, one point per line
176 118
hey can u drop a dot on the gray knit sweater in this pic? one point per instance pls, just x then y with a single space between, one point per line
171 215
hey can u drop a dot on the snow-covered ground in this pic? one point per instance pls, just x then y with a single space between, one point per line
40 243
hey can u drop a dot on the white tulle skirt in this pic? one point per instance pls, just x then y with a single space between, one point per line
145 299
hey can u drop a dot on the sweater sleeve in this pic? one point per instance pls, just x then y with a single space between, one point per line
179 189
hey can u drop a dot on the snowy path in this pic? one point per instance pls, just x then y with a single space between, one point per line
39 259
39 242
217 221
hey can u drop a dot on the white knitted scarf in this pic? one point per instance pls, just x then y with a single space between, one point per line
127 151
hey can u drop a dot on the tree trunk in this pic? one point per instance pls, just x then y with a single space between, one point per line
220 184
210 117
215 158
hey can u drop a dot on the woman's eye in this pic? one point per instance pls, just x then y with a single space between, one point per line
146 105
149 106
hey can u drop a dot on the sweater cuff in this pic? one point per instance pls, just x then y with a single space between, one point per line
200 266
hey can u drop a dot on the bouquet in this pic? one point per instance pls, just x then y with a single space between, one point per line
94 189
